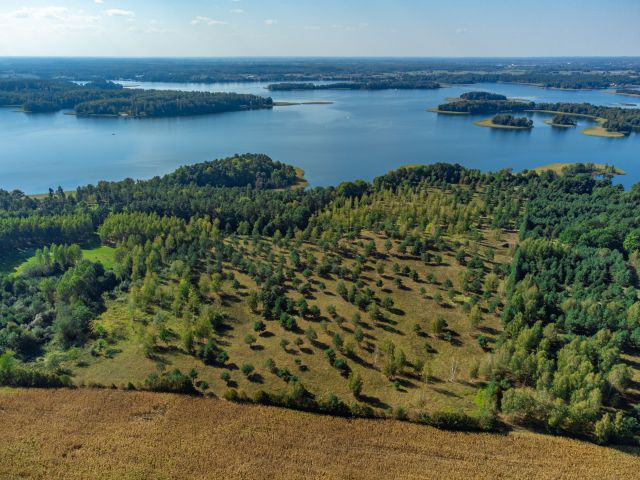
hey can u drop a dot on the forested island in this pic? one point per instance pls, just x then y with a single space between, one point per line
483 96
616 120
562 120
507 298
504 120
102 98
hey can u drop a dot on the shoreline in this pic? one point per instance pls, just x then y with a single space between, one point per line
489 123
597 168
291 104
446 112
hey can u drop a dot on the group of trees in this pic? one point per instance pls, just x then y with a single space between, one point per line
511 121
482 96
108 98
564 120
475 107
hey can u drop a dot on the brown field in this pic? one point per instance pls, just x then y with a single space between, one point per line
104 434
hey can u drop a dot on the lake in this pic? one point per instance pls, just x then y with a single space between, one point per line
361 135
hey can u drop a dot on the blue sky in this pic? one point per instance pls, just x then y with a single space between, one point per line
320 27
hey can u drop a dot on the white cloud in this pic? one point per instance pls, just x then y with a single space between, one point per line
200 20
461 30
118 12
99 1
236 10
60 17
270 21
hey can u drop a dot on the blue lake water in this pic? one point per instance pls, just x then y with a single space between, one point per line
361 135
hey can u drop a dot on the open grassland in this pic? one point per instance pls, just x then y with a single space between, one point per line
452 355
600 131
598 168
108 434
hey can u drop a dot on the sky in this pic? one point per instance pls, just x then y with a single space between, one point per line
214 28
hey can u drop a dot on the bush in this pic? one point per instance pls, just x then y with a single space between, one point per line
173 382
13 374
247 369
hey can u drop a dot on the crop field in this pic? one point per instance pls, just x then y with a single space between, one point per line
105 434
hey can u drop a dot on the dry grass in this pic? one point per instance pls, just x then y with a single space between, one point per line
308 362
599 131
104 434
559 167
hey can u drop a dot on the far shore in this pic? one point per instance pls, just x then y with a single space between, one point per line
446 112
291 104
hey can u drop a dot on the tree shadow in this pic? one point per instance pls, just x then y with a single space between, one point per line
374 402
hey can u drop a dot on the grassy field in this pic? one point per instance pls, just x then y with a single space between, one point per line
108 434
451 357
18 263
103 254
600 131
558 168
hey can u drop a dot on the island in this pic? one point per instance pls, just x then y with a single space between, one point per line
612 122
108 99
562 121
482 96
506 121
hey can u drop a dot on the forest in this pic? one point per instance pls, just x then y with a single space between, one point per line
435 294
107 98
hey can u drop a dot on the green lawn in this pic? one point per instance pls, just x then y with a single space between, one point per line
103 254
23 258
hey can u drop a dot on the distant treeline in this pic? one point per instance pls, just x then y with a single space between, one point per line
628 91
108 98
400 84
556 73
623 120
